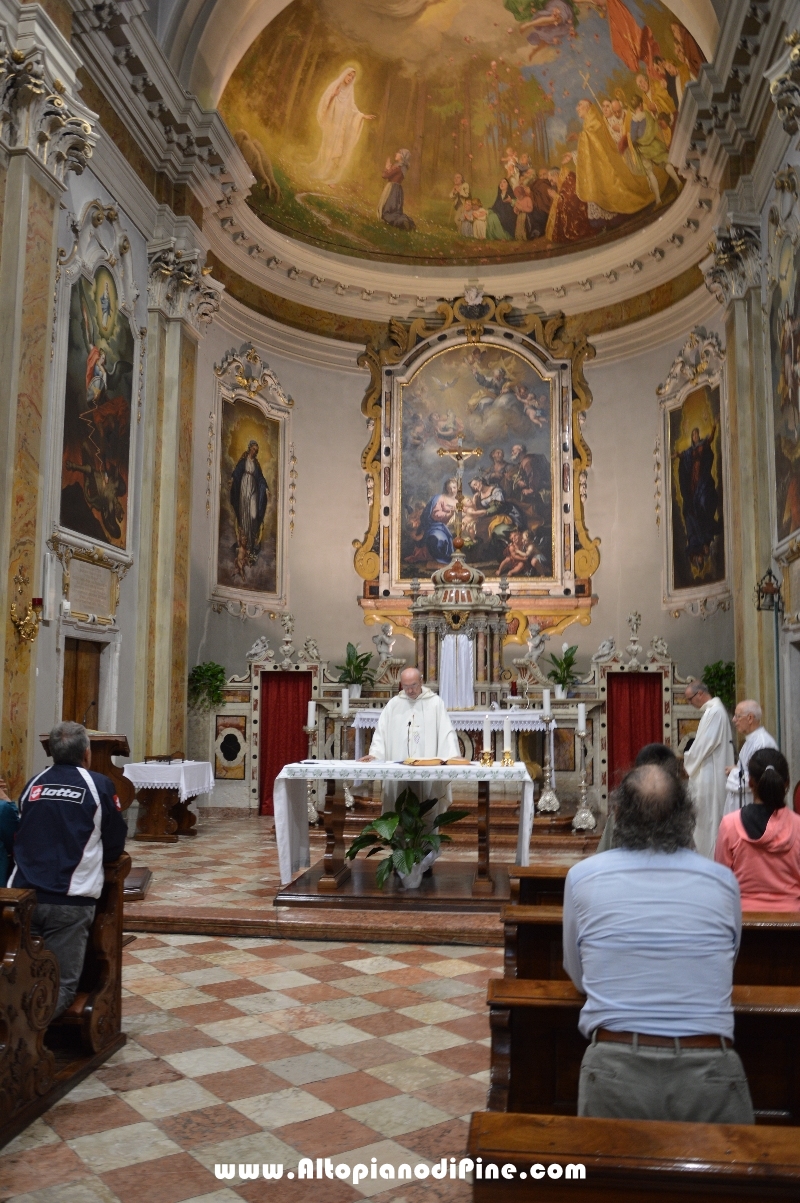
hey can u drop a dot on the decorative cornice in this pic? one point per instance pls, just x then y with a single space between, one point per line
37 115
245 370
179 286
701 355
735 263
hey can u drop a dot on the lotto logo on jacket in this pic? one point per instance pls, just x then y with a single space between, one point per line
56 791
70 824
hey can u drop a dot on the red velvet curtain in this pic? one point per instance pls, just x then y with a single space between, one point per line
635 716
284 708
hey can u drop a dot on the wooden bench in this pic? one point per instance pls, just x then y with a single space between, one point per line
769 953
537 1048
540 884
632 1160
40 1061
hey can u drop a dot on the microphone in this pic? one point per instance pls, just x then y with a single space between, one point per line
86 711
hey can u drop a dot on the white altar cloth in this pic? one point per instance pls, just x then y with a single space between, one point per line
291 811
188 777
462 720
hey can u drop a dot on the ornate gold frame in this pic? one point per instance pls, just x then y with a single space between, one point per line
474 312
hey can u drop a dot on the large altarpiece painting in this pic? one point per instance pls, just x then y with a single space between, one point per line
509 388
784 335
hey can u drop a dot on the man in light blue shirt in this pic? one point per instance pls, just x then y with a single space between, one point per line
651 933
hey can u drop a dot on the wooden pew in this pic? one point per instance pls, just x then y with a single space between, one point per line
540 884
41 1061
537 1048
633 1160
769 954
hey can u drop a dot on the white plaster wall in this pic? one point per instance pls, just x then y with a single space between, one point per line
329 433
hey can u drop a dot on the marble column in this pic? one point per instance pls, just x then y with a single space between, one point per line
735 278
45 133
181 301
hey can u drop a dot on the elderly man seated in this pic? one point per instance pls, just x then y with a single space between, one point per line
651 933
70 825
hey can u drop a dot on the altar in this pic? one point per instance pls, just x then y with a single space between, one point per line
335 882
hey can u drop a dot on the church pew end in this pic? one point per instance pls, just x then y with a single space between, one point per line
33 1077
536 1048
629 1159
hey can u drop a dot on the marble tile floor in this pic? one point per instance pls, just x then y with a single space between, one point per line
265 1051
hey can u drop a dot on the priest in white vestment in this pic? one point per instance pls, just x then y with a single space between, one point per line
706 763
747 721
414 725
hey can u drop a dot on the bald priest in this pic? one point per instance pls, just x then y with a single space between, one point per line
414 725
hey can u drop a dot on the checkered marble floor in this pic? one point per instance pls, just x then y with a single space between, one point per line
231 864
265 1051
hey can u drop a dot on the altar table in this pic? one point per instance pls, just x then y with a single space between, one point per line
291 814
163 794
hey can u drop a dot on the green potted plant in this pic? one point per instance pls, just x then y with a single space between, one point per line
563 671
206 683
355 670
411 844
720 677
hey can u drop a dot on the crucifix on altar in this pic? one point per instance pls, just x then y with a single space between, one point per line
461 454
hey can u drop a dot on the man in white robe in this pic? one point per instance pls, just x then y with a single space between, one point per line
414 725
747 721
705 763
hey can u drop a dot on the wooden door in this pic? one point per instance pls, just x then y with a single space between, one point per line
81 697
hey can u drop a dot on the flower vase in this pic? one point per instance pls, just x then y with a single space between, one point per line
355 689
560 692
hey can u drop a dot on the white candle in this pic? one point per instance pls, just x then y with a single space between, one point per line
546 703
506 734
581 716
312 714
487 734
345 701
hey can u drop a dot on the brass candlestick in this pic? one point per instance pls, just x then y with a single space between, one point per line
548 802
508 758
584 819
487 759
311 789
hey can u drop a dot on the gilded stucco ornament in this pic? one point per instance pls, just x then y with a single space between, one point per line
734 266
785 84
35 115
180 286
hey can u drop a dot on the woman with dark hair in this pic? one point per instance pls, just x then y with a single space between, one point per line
501 222
761 842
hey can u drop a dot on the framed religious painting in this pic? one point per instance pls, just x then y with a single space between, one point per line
491 417
693 450
784 371
102 353
251 487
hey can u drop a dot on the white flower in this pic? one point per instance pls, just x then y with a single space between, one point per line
564 648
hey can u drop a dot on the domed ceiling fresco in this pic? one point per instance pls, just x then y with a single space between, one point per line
461 131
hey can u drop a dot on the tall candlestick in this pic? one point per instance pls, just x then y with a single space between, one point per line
345 701
506 734
312 714
581 716
487 734
546 703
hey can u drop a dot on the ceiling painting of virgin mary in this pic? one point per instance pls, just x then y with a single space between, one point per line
462 131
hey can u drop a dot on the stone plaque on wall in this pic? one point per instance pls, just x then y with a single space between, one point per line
91 590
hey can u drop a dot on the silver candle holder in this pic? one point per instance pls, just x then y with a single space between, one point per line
311 789
584 819
548 802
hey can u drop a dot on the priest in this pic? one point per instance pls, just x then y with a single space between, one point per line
414 725
705 763
747 721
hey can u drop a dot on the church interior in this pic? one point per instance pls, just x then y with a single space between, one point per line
511 290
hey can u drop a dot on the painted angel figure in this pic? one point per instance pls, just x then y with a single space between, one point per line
105 305
341 122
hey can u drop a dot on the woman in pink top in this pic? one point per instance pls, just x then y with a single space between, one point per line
761 842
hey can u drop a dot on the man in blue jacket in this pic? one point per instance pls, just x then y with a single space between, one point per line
70 824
